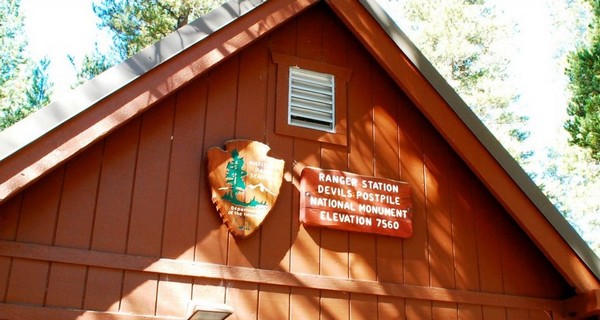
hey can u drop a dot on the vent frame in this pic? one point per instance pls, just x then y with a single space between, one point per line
338 133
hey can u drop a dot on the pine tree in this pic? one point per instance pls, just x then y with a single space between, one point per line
466 42
235 176
24 86
583 71
135 24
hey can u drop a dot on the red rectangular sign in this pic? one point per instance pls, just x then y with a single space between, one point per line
351 202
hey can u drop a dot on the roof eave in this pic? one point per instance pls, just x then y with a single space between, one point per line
67 126
88 94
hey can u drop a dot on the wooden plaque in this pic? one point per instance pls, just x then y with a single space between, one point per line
346 201
244 184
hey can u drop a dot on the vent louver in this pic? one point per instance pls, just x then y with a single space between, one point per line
311 100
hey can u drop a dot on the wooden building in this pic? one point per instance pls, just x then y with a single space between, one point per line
105 204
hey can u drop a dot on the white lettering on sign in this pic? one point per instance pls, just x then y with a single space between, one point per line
381 186
332 203
339 179
348 201
333 191
390 212
346 218
376 197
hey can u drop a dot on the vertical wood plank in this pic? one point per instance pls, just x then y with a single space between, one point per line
485 211
66 285
249 124
139 293
181 212
526 270
513 246
334 243
494 313
520 314
148 205
78 202
103 289
274 302
115 190
27 283
415 249
212 236
465 241
439 220
391 308
209 290
385 130
9 221
362 246
174 293
302 250
517 276
306 247
74 226
243 297
387 165
304 303
252 84
10 212
151 178
5 266
276 234
28 278
308 34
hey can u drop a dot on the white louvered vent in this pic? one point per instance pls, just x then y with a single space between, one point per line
311 100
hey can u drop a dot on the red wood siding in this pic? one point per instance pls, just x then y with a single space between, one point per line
142 195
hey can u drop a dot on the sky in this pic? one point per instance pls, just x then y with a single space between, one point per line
545 96
57 28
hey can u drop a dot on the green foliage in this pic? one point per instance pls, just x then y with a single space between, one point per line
466 42
235 177
571 182
12 43
135 24
93 64
235 172
583 71
24 86
37 95
584 108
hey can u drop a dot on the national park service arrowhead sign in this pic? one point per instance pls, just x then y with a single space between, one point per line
244 184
